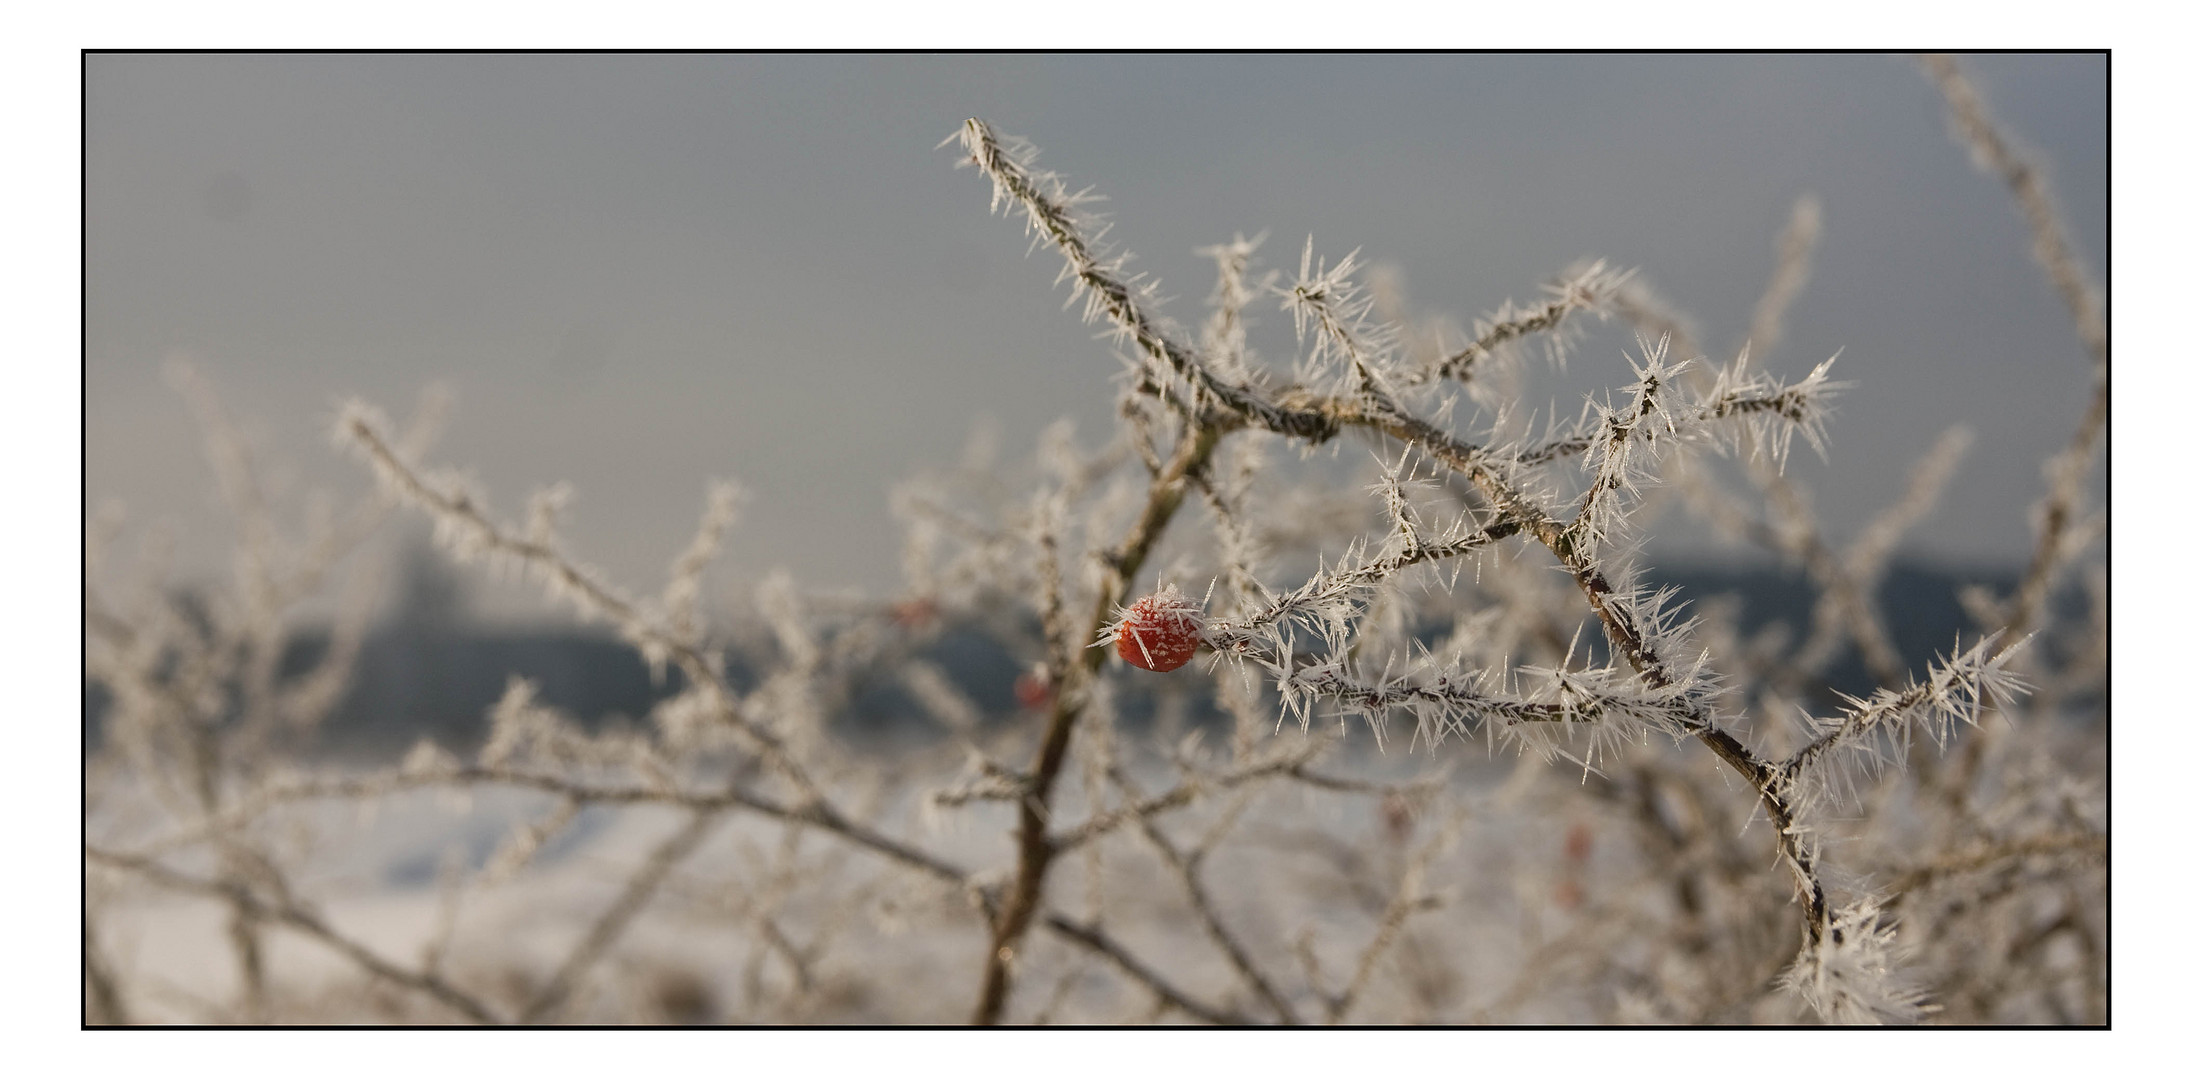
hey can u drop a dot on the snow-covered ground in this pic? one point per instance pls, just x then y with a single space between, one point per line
764 924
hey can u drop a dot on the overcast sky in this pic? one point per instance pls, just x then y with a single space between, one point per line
641 272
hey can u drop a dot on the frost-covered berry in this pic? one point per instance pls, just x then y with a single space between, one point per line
1161 631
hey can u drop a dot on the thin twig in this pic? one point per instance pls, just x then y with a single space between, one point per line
288 914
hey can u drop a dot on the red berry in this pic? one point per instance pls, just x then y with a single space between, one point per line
914 614
1569 894
1577 845
1161 631
1400 817
1033 689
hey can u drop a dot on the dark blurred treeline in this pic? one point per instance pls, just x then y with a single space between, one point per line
429 670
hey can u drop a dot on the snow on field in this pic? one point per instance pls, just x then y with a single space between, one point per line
766 924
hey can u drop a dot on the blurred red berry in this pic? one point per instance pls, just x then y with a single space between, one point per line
1032 689
1577 845
914 614
1400 817
1568 894
1161 631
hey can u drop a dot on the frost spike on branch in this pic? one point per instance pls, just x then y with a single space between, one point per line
1041 198
1588 291
464 524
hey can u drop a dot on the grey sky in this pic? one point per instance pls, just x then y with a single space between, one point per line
640 272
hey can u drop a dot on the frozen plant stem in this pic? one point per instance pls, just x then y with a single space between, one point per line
1214 405
2066 473
612 922
309 924
2057 534
1035 845
1113 299
1429 611
1188 867
460 513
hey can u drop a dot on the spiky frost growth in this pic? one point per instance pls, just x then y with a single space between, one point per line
1625 444
1351 350
681 597
1993 151
525 734
1041 198
1878 730
1619 447
463 523
1987 859
1243 544
1226 332
518 849
1332 601
1545 711
1771 412
1586 291
1849 975
463 526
